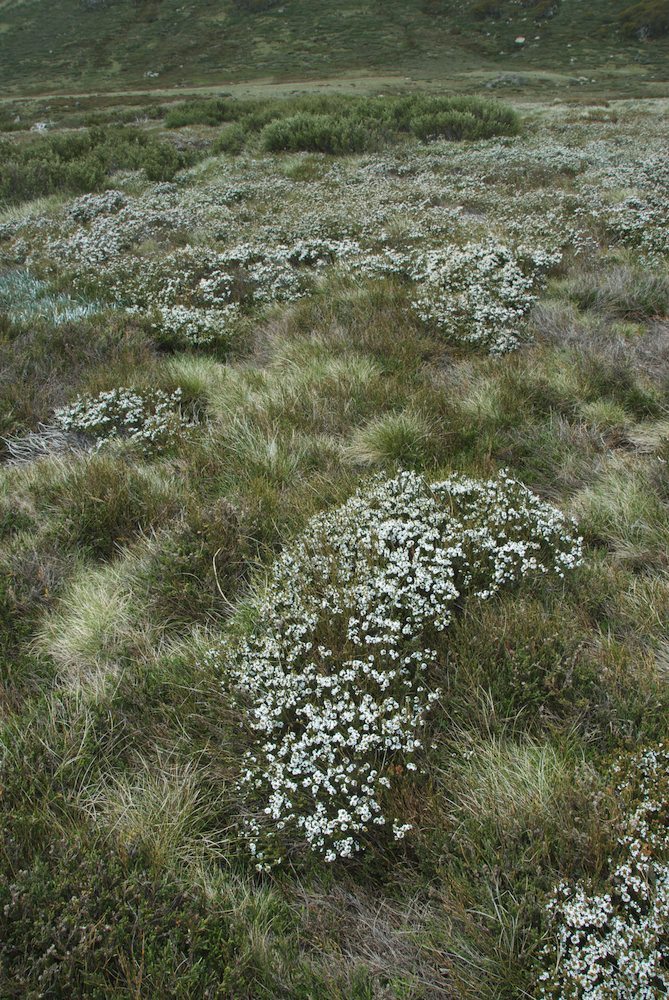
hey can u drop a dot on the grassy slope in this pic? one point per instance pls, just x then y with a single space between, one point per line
119 751
114 45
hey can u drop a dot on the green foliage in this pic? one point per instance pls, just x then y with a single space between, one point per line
466 124
80 162
335 124
100 503
161 161
79 923
231 140
365 124
318 134
198 112
484 9
648 19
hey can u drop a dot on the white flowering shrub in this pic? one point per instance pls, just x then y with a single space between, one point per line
90 206
153 419
479 294
615 943
335 679
199 327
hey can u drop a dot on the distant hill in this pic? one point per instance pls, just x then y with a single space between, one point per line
79 45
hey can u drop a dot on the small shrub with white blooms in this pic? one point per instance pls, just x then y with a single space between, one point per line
335 679
615 943
153 419
90 206
479 294
196 327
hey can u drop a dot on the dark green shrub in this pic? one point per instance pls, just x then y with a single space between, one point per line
75 163
161 162
78 924
256 120
341 124
447 125
317 134
231 140
207 111
466 118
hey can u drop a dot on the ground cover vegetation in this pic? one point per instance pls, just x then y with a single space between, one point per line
334 521
79 46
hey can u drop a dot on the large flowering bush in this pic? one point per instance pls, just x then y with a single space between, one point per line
335 678
480 293
153 419
615 943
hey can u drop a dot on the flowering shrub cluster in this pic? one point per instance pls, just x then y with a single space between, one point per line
89 206
198 327
480 293
153 419
255 233
335 678
615 943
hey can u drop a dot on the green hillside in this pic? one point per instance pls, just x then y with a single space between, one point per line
120 44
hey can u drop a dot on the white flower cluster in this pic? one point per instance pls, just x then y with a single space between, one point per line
335 681
615 943
642 223
89 206
480 293
152 419
110 229
199 327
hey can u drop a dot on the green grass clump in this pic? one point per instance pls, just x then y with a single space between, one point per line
627 292
100 502
392 439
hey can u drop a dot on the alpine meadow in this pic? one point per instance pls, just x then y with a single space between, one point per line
334 499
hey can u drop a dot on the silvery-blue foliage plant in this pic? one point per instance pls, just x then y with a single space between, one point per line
336 680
